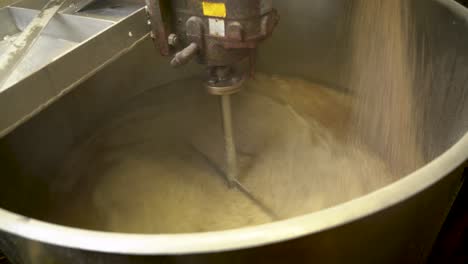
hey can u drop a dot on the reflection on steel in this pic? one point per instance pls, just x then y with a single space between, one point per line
395 224
229 142
83 44
76 6
23 43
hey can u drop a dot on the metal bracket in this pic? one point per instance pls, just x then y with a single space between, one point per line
158 20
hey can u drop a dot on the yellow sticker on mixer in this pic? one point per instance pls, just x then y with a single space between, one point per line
214 9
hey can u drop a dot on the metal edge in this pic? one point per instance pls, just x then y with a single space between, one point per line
210 242
70 15
58 90
458 9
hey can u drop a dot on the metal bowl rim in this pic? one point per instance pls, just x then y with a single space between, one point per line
209 242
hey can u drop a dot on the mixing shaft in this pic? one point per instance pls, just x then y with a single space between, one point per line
219 34
229 143
224 82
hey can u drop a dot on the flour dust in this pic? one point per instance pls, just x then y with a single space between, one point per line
382 76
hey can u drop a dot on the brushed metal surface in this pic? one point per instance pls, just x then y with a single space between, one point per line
396 224
20 46
65 55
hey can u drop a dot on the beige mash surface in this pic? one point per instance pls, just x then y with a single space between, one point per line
155 166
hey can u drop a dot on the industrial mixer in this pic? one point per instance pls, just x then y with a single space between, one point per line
91 107
220 34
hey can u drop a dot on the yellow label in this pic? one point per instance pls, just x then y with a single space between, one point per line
214 9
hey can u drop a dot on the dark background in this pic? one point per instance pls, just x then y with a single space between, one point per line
452 243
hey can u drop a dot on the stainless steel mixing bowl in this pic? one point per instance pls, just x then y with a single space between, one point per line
396 224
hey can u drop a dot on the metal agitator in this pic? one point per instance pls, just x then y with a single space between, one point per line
219 34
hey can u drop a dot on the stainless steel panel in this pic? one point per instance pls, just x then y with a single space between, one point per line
8 26
396 224
63 26
75 58
44 50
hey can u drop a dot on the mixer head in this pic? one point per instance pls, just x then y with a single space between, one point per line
217 33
